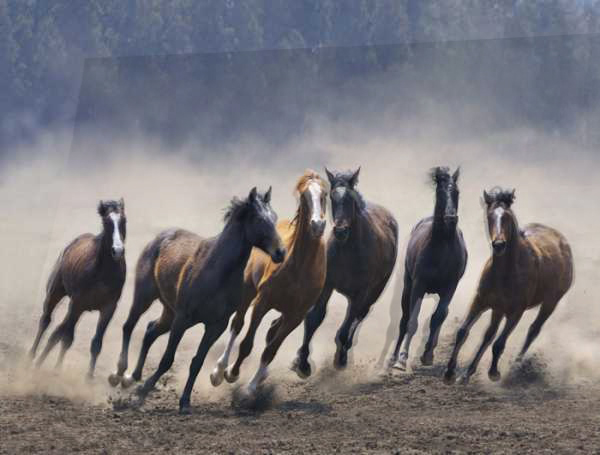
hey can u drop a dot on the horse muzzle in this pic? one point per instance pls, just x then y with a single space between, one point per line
278 255
499 247
341 233
317 227
117 252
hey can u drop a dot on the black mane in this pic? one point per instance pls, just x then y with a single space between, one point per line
440 174
236 207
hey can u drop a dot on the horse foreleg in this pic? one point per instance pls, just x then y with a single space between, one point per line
284 328
211 334
180 325
312 322
218 373
488 337
475 312
546 309
106 315
141 303
258 312
437 319
500 343
405 303
154 330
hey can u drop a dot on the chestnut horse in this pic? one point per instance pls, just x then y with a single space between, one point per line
436 258
198 281
530 267
361 255
290 288
91 272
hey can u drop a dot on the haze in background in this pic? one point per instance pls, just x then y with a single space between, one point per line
177 137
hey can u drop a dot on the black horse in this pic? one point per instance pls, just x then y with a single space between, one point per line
361 255
435 262
208 286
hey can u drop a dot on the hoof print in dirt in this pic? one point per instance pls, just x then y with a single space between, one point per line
264 398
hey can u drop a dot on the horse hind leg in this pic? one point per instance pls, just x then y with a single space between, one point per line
154 330
64 333
54 295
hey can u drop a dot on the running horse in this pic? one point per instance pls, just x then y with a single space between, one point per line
291 287
198 281
361 255
528 268
91 272
436 258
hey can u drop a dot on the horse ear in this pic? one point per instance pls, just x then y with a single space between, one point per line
456 175
101 209
354 179
487 198
252 195
267 197
122 204
330 176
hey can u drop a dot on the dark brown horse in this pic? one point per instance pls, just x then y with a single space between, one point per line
436 258
197 280
529 267
361 255
291 287
91 272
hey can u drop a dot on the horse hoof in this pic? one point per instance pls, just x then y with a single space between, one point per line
464 379
185 409
427 360
229 377
302 369
127 381
216 377
114 380
494 376
340 361
400 365
449 378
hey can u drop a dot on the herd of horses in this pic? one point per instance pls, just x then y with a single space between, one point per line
261 264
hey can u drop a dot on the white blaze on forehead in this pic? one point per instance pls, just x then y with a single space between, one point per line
315 192
117 241
498 214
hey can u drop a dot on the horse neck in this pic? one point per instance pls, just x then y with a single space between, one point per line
358 226
232 248
516 243
303 242
439 232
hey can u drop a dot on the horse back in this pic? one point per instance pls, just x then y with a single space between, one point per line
166 257
554 256
77 264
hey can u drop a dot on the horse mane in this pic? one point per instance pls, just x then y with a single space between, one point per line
344 178
439 174
236 206
502 196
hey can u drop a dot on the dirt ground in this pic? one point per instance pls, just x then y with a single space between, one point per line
356 411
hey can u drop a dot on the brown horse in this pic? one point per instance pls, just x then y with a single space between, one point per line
529 267
91 271
291 287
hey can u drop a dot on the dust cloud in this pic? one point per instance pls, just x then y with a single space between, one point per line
46 201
